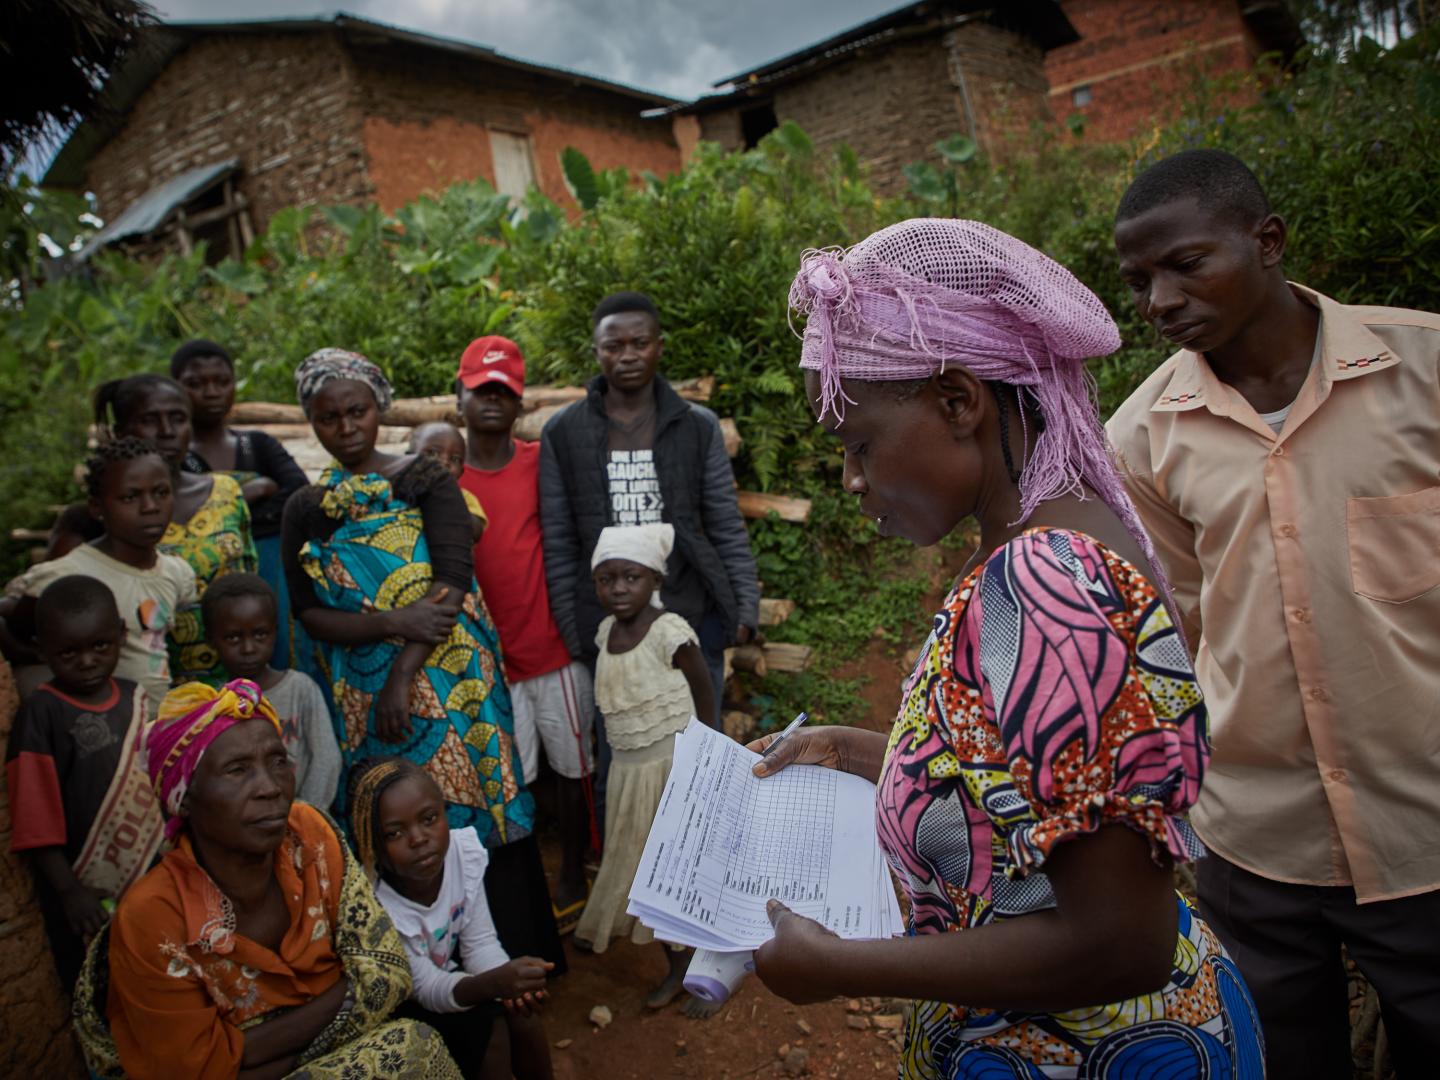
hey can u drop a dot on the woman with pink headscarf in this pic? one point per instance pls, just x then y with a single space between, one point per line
1032 793
255 948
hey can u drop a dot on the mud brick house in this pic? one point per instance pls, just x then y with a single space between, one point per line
892 87
244 118
1135 59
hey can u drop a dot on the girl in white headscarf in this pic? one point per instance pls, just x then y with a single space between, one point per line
650 678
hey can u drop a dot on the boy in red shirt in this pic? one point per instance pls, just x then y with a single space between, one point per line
552 695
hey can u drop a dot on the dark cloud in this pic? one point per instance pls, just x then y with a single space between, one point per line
676 47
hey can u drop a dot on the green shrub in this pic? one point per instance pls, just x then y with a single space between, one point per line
405 290
1348 149
716 247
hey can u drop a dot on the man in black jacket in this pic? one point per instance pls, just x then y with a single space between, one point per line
632 452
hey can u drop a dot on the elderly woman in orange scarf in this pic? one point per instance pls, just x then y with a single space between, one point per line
255 948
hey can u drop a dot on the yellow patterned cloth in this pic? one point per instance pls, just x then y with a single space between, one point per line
215 541
462 727
472 504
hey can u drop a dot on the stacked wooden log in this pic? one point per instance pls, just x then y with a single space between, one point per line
760 660
287 423
780 656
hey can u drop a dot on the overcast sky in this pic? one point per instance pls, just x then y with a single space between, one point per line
675 47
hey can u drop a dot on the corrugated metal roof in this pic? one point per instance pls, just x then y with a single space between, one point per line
153 209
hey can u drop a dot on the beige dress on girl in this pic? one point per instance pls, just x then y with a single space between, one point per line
646 702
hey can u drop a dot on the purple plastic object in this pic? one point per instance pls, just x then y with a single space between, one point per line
713 976
707 989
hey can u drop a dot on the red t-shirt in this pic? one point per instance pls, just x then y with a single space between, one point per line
510 564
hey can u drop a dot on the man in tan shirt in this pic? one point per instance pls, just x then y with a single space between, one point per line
1287 464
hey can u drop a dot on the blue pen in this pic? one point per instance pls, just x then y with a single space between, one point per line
789 729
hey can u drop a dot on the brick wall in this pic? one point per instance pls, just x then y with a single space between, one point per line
890 107
722 126
892 104
1005 77
313 121
284 104
405 162
428 119
1139 59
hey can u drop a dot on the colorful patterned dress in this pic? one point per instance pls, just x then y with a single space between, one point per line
216 540
378 559
169 987
1053 697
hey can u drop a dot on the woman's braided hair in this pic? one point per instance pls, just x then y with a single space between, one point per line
109 453
368 781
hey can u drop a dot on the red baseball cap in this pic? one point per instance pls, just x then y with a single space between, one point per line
493 360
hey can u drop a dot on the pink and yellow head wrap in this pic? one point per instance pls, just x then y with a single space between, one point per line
192 717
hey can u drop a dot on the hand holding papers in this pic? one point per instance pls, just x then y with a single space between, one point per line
725 841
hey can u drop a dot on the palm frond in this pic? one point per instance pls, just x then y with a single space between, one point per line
55 56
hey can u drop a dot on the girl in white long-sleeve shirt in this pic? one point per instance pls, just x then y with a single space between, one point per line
432 884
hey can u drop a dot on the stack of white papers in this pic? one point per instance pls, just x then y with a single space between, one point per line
725 841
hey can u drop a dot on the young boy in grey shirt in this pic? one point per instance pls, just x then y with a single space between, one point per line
240 623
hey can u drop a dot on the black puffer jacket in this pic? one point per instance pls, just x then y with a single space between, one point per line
711 568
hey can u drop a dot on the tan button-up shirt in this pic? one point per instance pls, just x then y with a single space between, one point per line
1306 566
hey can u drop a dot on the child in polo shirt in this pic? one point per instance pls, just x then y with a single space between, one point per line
552 695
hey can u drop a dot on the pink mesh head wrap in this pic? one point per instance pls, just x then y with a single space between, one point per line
917 295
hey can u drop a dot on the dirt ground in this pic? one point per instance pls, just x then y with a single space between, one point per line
756 1033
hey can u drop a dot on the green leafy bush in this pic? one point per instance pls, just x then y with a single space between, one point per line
403 289
716 247
1347 147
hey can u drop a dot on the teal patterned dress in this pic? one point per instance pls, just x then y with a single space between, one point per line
378 559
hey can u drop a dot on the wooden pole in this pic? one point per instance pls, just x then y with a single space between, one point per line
775 612
232 225
413 412
787 657
182 232
749 658
755 504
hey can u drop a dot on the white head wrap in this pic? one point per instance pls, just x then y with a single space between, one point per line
648 545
